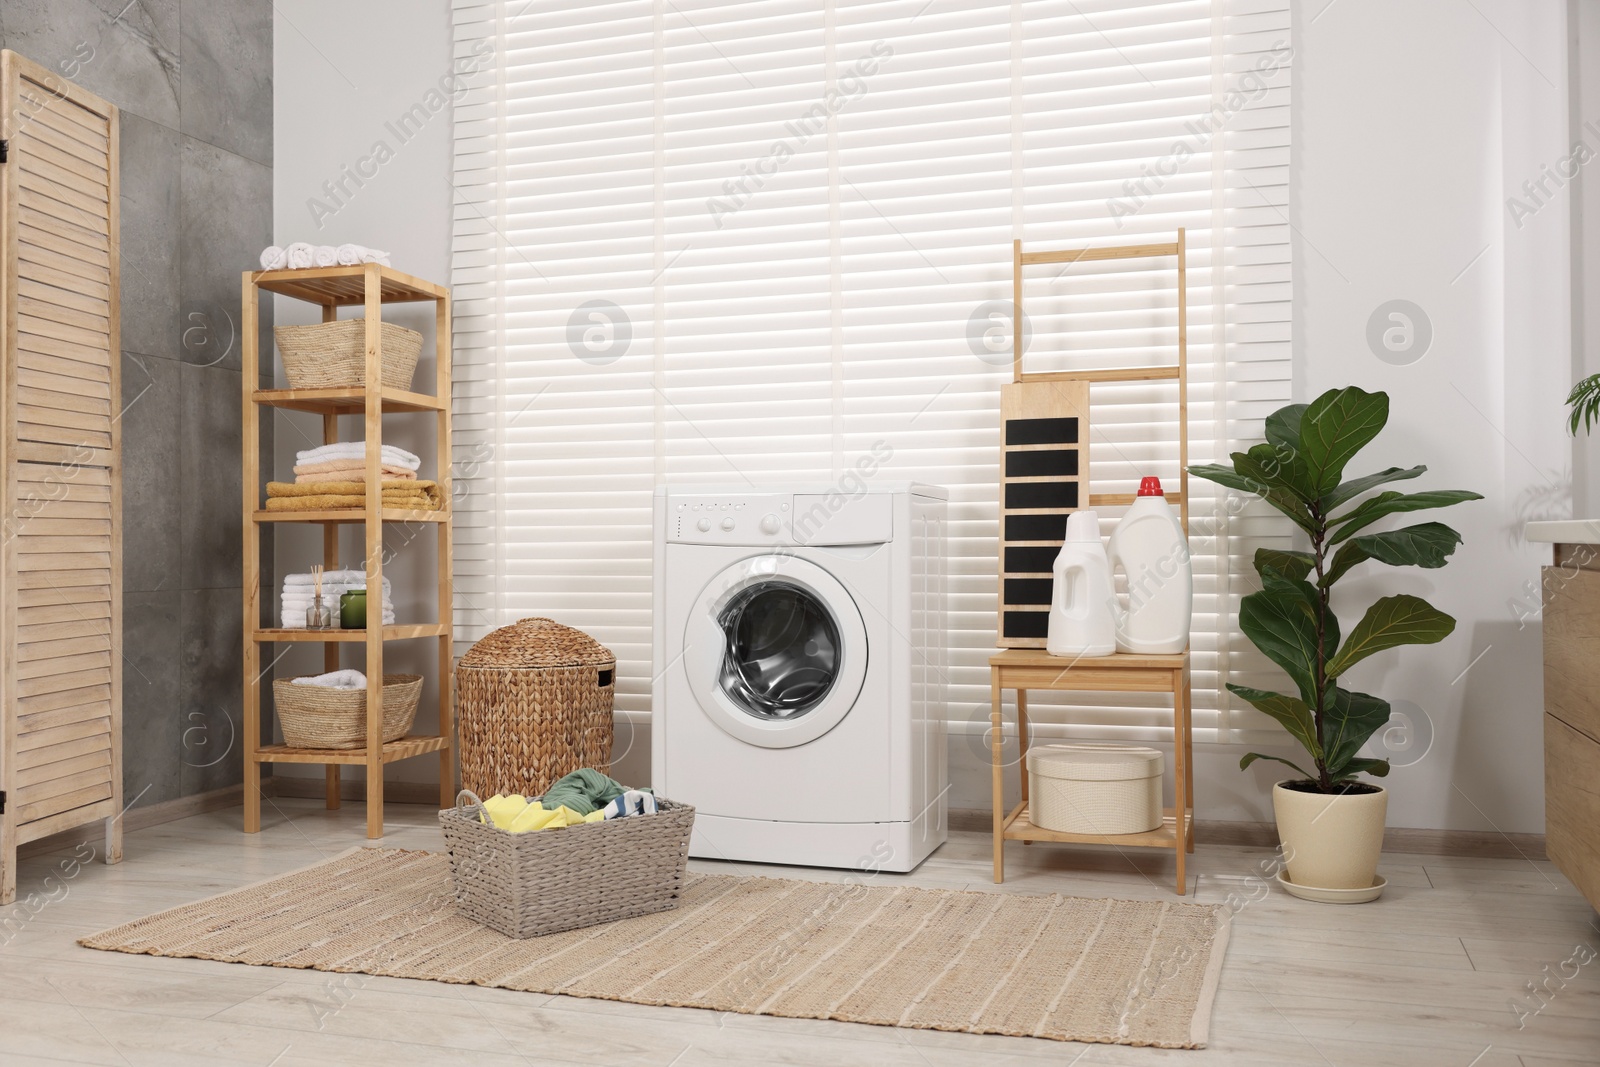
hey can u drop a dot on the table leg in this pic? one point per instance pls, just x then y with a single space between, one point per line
1180 779
1022 746
996 757
330 773
1188 752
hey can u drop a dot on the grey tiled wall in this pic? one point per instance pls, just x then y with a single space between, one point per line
194 81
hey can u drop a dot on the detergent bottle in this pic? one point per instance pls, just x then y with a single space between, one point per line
1082 600
1150 548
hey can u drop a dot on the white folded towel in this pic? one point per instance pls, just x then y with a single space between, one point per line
390 454
300 255
348 679
372 255
343 577
325 256
273 258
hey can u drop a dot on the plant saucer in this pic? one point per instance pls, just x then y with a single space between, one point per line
1334 896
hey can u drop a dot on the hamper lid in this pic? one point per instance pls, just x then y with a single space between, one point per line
1094 763
536 643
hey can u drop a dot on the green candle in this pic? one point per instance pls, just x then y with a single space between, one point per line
353 610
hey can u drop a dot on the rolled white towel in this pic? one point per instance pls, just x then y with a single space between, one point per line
347 679
399 457
300 255
349 255
325 256
372 255
273 258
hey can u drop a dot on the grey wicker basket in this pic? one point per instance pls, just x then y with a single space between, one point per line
545 881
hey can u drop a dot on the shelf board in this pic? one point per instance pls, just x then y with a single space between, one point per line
1019 827
346 400
405 748
344 515
346 286
390 633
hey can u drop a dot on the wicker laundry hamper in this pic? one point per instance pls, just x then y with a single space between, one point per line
533 703
328 355
546 881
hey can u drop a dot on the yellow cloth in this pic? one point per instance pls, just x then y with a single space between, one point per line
517 815
418 495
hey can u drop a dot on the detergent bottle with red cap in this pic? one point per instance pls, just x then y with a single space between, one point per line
1150 549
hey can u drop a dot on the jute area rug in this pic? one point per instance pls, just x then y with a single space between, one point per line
1115 971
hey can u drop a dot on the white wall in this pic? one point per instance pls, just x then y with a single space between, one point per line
343 75
1414 123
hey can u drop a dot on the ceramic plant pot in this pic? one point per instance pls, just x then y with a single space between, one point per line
1331 842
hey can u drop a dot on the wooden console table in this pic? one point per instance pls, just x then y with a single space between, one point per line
1025 669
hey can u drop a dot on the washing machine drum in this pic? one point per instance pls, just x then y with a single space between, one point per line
776 651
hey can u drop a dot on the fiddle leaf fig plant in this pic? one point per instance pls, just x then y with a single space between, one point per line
1299 470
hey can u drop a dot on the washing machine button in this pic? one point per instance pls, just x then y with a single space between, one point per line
770 524
727 523
704 525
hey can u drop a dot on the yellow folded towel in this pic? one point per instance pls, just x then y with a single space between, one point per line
416 495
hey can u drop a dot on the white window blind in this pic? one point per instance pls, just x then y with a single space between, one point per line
749 242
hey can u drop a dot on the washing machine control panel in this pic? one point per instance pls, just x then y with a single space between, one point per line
731 519
757 520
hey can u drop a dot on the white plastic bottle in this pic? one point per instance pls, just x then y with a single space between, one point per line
1082 600
1151 550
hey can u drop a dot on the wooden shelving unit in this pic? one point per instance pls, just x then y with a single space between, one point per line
1048 412
369 286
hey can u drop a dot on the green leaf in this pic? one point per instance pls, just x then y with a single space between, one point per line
1283 426
1278 467
1251 757
1293 715
1392 621
1427 544
1281 499
1337 425
1281 621
1348 720
1392 503
1378 768
1355 487
1584 400
1293 566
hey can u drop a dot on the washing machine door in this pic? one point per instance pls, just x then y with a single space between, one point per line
776 651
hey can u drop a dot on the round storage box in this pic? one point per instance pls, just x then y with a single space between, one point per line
1094 789
533 703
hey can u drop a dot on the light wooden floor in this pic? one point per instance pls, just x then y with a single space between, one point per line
1428 975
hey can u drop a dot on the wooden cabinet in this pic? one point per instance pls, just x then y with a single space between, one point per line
1572 715
61 560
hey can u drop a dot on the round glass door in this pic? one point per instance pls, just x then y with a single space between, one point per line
775 651
781 653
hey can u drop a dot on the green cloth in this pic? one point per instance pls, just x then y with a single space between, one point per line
584 791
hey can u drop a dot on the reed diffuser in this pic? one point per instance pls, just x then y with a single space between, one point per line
319 616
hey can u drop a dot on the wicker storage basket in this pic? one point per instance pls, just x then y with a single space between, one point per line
546 881
314 716
327 355
1094 789
533 703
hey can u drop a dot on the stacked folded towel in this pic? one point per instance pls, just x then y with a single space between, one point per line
346 461
301 254
300 589
410 494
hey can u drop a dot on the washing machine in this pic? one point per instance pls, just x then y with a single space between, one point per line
798 693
